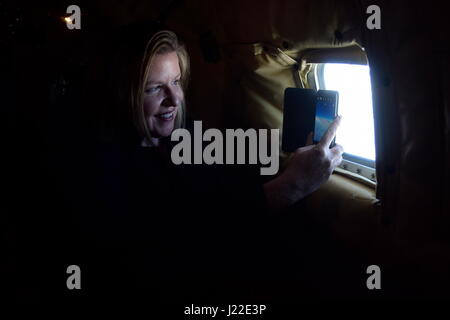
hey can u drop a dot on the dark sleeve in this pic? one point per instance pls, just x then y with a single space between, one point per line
229 223
228 208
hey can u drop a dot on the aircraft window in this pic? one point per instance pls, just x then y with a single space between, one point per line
356 133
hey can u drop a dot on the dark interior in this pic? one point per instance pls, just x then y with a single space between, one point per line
55 90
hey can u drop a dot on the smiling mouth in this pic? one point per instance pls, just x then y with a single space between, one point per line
167 116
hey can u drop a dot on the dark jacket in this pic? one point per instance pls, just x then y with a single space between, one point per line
151 227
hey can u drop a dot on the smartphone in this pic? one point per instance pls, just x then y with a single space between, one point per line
298 117
326 111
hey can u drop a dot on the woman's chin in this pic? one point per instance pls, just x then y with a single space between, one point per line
165 131
161 129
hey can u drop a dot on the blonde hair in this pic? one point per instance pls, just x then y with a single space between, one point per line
161 42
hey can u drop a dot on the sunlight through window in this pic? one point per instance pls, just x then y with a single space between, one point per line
356 133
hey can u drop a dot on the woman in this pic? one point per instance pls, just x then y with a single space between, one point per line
156 107
192 226
156 92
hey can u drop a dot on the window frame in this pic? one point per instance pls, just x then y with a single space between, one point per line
352 163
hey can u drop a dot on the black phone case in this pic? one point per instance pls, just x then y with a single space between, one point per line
299 112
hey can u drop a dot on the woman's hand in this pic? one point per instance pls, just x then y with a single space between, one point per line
307 170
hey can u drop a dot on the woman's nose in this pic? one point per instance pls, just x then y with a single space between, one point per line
172 98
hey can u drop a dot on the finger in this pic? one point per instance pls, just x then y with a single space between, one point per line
309 139
337 149
336 155
336 161
330 133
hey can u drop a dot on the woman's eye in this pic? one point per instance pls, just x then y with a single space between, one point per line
152 89
176 82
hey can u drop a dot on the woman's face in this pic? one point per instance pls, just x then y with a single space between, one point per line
163 94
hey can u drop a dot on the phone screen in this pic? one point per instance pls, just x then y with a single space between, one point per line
326 111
